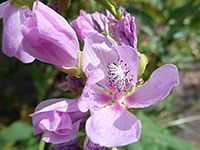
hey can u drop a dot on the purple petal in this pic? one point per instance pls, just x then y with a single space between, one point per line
51 137
23 56
124 30
12 36
53 121
65 125
156 88
49 38
63 105
50 121
3 7
59 118
48 105
92 94
97 53
100 21
83 25
113 126
108 14
13 17
130 29
55 19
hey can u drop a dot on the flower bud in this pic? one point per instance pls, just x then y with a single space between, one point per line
87 24
49 38
142 65
13 17
59 118
124 30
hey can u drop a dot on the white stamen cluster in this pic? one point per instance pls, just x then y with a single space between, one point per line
118 75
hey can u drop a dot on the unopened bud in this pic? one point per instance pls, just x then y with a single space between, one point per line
142 65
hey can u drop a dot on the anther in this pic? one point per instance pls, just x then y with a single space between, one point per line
118 75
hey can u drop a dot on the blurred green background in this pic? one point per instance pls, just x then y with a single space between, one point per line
168 32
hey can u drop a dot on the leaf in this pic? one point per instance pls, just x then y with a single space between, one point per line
17 131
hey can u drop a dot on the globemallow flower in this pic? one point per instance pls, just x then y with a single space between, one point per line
13 17
124 30
87 24
49 38
59 118
110 89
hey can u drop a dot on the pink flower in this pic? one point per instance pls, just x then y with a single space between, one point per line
112 76
49 38
124 30
87 24
13 17
59 118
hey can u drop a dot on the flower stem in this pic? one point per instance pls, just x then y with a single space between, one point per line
41 144
115 11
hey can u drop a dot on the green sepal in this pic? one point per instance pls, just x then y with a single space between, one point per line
142 65
107 29
116 3
70 70
74 71
22 3
79 69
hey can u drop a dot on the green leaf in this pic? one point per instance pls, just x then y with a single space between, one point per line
17 131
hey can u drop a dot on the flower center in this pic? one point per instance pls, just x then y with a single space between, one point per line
118 75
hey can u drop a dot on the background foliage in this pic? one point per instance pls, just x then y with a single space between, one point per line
168 32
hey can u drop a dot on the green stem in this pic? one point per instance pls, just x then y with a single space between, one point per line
41 144
119 13
112 9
